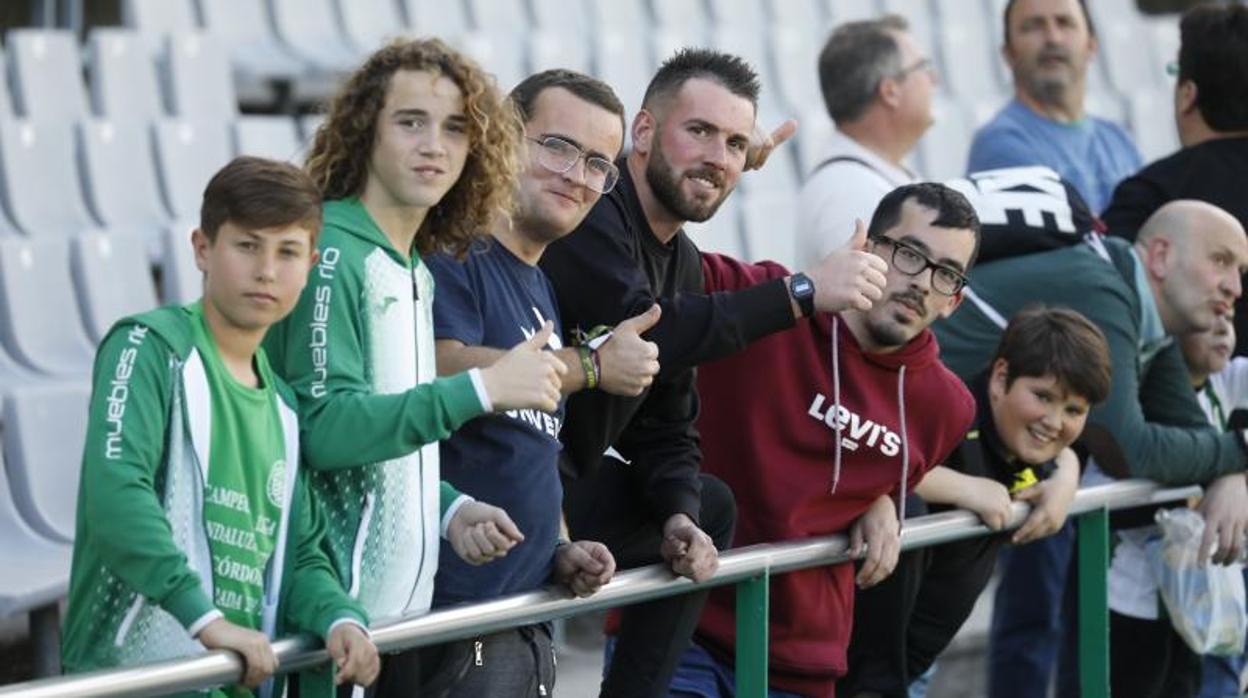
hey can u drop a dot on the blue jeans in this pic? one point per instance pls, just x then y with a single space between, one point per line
1033 620
1220 675
919 686
699 675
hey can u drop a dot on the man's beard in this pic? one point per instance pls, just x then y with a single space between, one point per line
1051 89
665 184
891 333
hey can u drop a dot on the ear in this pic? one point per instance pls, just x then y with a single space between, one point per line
313 258
644 125
1094 46
997 378
1185 96
954 301
889 92
1157 256
200 243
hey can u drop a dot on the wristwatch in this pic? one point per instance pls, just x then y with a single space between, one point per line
802 291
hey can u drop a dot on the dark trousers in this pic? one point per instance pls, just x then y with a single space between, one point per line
1034 620
607 506
903 623
1148 659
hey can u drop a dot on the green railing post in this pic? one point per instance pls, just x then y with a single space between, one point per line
752 598
1094 603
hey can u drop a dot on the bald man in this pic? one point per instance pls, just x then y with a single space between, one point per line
1182 271
1184 268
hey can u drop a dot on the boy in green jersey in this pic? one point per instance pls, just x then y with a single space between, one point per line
418 152
195 529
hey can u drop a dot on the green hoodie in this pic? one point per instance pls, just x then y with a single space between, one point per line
358 350
1151 425
143 572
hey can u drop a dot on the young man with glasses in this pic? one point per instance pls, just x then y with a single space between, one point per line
877 87
825 428
493 298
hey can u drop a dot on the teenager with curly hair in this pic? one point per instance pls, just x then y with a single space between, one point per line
418 152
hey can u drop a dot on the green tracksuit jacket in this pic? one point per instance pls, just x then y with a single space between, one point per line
142 574
1151 425
358 350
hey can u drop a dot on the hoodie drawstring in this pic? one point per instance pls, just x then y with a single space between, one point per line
836 402
836 407
905 446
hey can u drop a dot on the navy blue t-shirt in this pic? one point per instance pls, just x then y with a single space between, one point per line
509 460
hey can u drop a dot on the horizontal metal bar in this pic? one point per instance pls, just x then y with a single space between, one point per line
633 586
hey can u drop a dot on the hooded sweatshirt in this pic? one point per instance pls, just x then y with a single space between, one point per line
768 416
358 350
165 532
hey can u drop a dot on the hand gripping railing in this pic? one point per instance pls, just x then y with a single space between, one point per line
749 568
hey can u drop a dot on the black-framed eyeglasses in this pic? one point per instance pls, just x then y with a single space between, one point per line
908 260
560 155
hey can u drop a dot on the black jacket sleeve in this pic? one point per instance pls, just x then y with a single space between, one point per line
599 278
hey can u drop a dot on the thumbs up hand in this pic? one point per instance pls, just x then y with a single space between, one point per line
850 278
630 363
526 377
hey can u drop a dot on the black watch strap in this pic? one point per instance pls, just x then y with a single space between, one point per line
802 290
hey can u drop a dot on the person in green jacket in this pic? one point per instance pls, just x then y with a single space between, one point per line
195 529
418 152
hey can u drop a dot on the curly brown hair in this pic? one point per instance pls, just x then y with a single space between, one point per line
338 160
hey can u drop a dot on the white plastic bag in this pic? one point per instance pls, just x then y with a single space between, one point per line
1205 601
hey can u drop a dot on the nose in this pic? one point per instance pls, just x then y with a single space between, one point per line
1052 419
922 282
577 173
266 266
1235 283
430 142
716 153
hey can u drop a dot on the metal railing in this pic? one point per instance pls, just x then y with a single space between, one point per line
749 568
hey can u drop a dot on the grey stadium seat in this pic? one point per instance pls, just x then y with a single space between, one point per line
311 31
153 19
841 11
502 53
187 155
267 136
245 29
195 72
112 278
40 324
181 281
946 145
966 49
122 76
119 177
45 429
503 15
437 18
38 568
370 24
47 80
6 105
739 13
770 222
40 178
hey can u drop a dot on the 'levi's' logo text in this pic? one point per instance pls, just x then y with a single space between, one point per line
854 430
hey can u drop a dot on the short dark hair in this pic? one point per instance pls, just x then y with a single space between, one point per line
587 88
853 62
733 72
258 193
1213 54
1058 342
1009 6
952 210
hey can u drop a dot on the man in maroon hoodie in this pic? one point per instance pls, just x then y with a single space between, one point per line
770 416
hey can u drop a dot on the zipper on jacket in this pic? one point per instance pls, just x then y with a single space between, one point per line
128 621
357 551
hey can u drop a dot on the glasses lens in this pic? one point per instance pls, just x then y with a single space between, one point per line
600 174
907 260
558 154
947 281
1172 68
